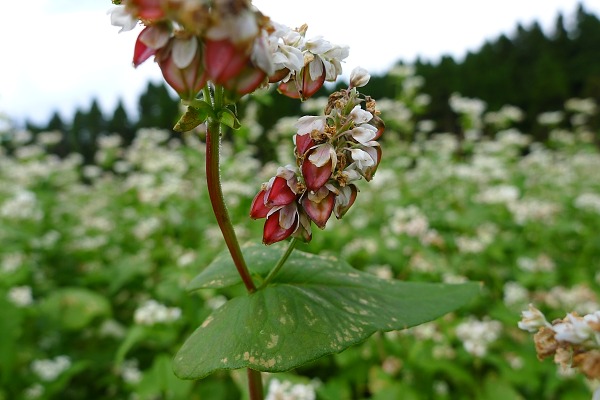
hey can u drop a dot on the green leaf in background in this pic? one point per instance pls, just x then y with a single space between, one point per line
11 319
75 308
315 306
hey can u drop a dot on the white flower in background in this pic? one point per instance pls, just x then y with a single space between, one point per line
287 390
153 312
550 118
579 298
49 138
468 106
110 142
20 296
515 293
22 206
588 202
11 262
186 259
402 71
477 335
146 227
130 372
542 263
425 125
34 391
50 369
526 210
586 106
91 172
22 137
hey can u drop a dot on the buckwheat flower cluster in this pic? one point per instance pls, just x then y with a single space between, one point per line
153 312
332 151
573 341
50 369
228 42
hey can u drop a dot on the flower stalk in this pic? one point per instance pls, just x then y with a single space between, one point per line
215 192
279 264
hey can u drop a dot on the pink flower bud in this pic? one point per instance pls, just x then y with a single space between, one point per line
280 225
224 60
302 86
303 143
279 194
304 231
141 51
315 177
148 9
378 123
278 75
247 81
319 209
188 81
258 209
375 153
344 200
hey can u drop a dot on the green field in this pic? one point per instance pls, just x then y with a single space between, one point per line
95 259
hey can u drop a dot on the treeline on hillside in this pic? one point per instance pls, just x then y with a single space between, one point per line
530 69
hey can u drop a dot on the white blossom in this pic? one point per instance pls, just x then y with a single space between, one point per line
287 390
50 369
152 312
20 296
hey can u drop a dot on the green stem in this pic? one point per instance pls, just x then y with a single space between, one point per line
279 264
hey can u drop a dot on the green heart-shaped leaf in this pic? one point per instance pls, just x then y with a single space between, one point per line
315 306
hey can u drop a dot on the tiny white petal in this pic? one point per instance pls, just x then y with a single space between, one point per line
360 116
309 123
184 51
322 155
119 16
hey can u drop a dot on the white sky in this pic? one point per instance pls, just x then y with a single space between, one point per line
59 54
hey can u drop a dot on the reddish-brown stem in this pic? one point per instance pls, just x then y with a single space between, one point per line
255 386
213 181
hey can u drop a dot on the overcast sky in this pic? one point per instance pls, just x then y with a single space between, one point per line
59 54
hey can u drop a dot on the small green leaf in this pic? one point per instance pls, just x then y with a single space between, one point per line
227 117
315 306
75 308
193 116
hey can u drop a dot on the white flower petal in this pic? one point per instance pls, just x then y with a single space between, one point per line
322 155
309 123
184 51
360 116
119 16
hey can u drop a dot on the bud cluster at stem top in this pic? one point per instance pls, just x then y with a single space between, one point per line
332 152
229 42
